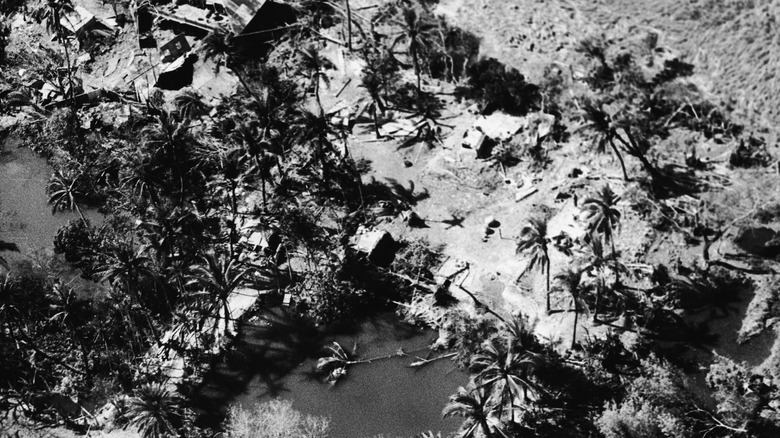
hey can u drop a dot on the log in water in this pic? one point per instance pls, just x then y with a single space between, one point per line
275 356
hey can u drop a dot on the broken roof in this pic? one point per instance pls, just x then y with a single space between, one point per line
241 12
189 15
77 20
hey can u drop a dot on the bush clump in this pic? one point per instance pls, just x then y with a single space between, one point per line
497 87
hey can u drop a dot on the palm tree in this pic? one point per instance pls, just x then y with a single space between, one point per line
504 372
219 45
155 412
72 313
141 179
313 65
596 265
218 275
228 181
258 148
315 130
601 121
472 404
63 192
570 280
52 14
170 140
638 149
380 73
127 265
190 104
602 216
533 240
419 34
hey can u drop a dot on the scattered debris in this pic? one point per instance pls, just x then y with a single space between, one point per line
78 20
174 48
522 194
499 126
473 139
190 16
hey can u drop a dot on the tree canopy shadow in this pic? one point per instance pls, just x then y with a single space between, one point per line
268 349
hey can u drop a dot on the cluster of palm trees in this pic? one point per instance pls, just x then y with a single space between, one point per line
504 382
175 190
601 218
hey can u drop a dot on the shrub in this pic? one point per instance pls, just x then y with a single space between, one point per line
673 69
497 88
750 153
155 411
326 298
655 406
460 50
274 419
417 259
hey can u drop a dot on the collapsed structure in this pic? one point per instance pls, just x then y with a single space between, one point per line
163 50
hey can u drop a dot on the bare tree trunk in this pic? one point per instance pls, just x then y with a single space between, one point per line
599 291
349 26
548 287
620 158
614 257
485 428
416 63
576 319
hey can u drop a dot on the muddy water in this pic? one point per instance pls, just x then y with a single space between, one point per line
275 355
25 215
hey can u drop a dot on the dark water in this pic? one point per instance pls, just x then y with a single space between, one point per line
25 214
26 218
275 355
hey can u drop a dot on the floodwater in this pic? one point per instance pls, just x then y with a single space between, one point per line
26 218
25 214
274 358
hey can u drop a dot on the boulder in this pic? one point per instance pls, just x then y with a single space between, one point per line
379 246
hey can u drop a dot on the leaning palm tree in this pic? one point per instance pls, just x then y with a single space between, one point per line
505 373
602 217
63 191
570 279
155 412
471 403
420 34
533 241
606 129
53 13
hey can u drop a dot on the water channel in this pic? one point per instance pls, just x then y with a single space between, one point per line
275 353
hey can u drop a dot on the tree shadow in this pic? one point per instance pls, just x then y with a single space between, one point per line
672 181
267 350
393 195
